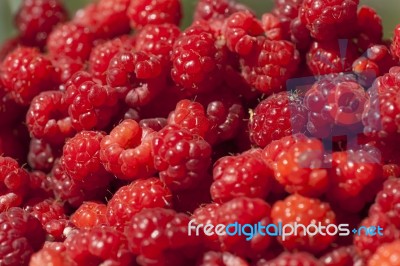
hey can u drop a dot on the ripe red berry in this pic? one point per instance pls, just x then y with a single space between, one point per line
386 254
36 19
369 26
395 48
207 214
182 158
221 259
42 155
50 256
277 116
293 259
127 151
305 211
341 256
216 10
66 67
25 73
130 199
89 214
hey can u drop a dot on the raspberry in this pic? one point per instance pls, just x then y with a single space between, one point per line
47 118
127 153
244 211
190 116
240 31
216 10
159 235
366 245
331 21
158 39
297 162
139 75
102 54
292 259
181 157
376 62
300 35
90 105
342 256
71 40
370 27
387 254
42 155
395 48
354 175
21 235
279 115
213 258
274 27
334 104
270 64
306 211
36 19
98 245
197 59
81 159
331 57
244 175
144 12
207 214
388 201
14 182
25 73
49 256
66 67
89 214
140 194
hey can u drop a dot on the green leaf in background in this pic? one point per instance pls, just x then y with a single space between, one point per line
389 10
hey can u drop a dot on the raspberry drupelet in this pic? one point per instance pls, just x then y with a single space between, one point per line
127 153
36 19
140 194
159 237
306 211
244 175
47 118
25 72
182 158
89 215
281 114
145 12
21 235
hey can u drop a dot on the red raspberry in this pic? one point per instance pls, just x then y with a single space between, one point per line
342 256
140 194
245 211
387 254
127 153
293 259
14 182
331 57
90 104
387 201
89 215
395 48
144 12
141 76
244 175
366 245
42 155
197 59
240 31
98 245
274 28
370 27
190 116
335 104
182 158
38 74
160 237
66 67
36 19
71 40
50 256
216 10
376 62
356 176
297 162
270 64
47 118
207 214
300 35
158 39
330 21
213 258
280 115
305 211
81 159
102 54
21 235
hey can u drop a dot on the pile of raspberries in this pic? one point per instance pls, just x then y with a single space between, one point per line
118 128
